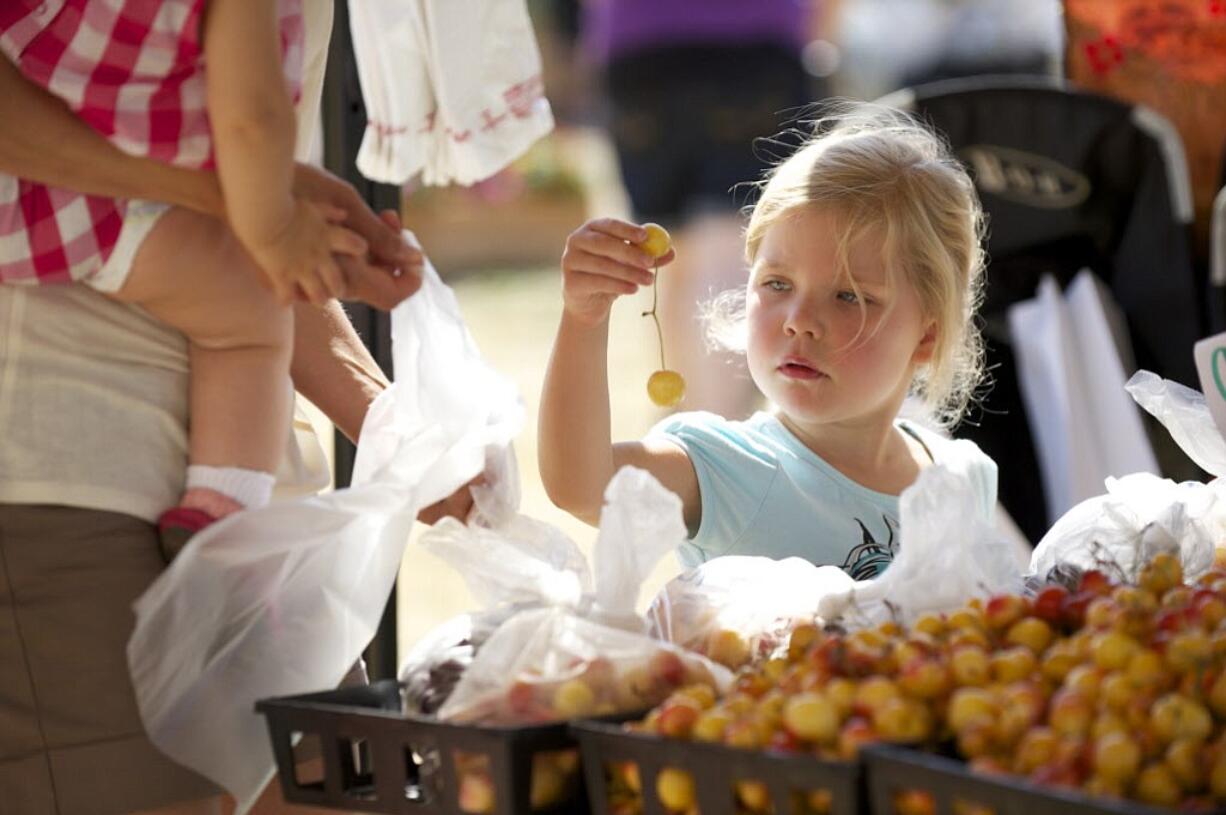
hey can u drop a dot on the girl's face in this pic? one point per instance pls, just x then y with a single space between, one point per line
821 352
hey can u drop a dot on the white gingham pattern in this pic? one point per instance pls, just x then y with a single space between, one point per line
133 70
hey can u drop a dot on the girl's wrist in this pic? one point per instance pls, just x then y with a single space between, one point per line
579 323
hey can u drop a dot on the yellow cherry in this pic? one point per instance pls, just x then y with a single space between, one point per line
666 388
658 241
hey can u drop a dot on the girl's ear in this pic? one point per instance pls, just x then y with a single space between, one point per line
927 344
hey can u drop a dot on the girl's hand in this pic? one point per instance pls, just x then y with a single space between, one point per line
387 247
601 262
300 255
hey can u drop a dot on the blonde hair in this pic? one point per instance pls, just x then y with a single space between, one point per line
879 169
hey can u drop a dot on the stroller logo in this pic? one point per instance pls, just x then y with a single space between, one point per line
1219 354
1025 178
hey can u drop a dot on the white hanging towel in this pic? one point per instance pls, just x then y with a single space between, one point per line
453 88
1072 360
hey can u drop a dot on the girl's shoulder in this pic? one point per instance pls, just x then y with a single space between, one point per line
756 436
945 449
962 456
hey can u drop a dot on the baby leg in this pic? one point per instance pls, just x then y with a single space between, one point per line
191 273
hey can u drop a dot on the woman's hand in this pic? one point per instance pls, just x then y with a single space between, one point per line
601 262
382 286
457 505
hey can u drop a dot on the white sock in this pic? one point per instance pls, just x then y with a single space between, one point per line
251 488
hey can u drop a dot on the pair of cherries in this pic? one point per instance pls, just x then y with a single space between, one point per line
664 387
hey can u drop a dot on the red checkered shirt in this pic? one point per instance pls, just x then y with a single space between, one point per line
134 71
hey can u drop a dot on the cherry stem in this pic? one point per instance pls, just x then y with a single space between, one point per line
655 296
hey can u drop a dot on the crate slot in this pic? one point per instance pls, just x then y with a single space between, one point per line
789 779
377 759
308 774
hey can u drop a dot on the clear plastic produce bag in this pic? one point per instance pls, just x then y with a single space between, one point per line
577 647
946 556
1142 514
282 600
553 664
736 609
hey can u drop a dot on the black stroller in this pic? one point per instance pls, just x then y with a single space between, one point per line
1071 180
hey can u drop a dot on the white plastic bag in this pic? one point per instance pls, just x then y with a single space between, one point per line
1071 370
577 648
552 664
735 609
1185 415
282 600
947 554
1142 514
434 665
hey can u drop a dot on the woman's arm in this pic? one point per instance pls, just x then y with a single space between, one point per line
43 141
577 454
332 368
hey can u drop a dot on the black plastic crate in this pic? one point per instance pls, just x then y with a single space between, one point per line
378 759
893 770
715 769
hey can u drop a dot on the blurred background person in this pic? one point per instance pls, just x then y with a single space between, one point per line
884 45
690 85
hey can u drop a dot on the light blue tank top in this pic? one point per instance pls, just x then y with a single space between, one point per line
765 493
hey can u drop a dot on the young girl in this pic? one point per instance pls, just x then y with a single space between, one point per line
865 273
135 71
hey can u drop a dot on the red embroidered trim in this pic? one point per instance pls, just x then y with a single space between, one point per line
519 100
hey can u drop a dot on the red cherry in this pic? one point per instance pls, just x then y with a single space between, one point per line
521 697
783 741
1073 609
1049 604
1095 582
668 666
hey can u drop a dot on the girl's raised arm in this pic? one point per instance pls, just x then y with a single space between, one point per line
577 454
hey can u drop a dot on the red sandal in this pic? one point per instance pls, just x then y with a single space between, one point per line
176 527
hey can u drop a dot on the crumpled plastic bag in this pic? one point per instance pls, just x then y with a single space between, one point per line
553 664
512 563
947 554
1185 415
282 600
434 665
1141 514
576 647
739 608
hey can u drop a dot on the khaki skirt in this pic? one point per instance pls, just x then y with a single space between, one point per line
71 739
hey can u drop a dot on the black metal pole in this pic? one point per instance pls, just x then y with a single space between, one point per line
344 120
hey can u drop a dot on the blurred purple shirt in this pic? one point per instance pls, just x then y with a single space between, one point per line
613 28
